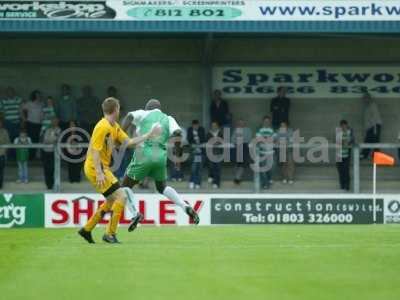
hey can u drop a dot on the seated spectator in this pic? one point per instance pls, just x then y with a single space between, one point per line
4 139
241 139
219 110
50 137
196 136
265 151
22 156
285 153
66 107
176 172
214 140
88 109
48 114
11 106
32 111
344 139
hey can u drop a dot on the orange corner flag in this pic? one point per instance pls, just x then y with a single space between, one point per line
382 159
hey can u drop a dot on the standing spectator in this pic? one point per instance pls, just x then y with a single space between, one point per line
196 136
265 150
372 123
279 108
4 139
215 136
73 154
66 107
50 137
88 109
10 106
219 110
241 138
22 155
11 109
176 166
285 142
32 111
48 114
345 140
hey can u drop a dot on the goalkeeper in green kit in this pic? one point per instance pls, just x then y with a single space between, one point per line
150 158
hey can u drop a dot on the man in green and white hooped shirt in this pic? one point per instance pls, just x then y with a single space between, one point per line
150 158
265 150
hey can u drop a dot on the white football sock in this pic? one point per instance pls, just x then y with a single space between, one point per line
130 201
171 194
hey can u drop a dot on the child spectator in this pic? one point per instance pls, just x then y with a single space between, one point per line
265 150
196 136
4 139
241 138
48 114
214 137
285 141
176 166
22 155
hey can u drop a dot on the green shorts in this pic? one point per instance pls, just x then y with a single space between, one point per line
142 167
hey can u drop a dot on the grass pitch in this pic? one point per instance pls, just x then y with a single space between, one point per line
241 262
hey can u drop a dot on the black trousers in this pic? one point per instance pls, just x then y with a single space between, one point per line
343 168
2 166
74 172
48 168
33 131
372 135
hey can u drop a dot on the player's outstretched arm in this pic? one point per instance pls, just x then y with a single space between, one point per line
154 132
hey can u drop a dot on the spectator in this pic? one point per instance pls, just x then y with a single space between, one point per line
219 110
66 107
176 166
112 91
241 138
279 108
345 140
4 139
214 138
11 109
32 111
196 136
74 155
285 139
50 137
265 150
372 123
88 109
22 155
48 114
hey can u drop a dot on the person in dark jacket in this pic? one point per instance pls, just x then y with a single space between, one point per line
196 136
219 110
279 108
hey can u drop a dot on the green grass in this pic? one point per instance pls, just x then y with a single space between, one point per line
242 262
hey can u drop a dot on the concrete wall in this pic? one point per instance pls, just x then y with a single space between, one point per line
170 69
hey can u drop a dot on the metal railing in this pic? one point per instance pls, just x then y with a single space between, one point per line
355 149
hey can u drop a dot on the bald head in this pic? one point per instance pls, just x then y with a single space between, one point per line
153 104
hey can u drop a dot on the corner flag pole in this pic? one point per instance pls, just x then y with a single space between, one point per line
374 191
380 159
